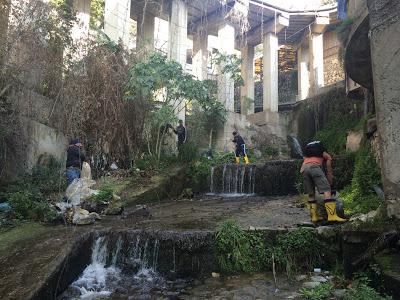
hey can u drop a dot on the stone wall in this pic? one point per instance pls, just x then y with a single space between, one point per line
37 131
333 66
313 114
385 48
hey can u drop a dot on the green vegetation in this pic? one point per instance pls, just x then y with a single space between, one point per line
147 77
97 13
239 251
360 197
105 194
246 251
25 231
361 290
320 292
30 197
334 135
296 250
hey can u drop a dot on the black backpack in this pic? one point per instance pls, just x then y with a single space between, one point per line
314 149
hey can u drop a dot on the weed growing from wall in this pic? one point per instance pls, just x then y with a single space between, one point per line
296 250
360 197
239 251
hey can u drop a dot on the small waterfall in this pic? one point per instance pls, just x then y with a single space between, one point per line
94 280
233 179
295 147
102 276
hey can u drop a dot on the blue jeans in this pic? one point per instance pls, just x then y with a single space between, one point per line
72 173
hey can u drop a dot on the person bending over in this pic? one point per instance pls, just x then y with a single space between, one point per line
314 177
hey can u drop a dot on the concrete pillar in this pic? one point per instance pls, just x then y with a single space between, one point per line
200 55
4 15
117 22
270 72
178 41
80 29
316 50
303 74
226 92
178 32
247 91
385 48
145 33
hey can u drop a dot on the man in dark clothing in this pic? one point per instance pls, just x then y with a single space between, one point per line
75 158
240 148
180 131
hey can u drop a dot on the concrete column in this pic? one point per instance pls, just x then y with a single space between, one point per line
316 50
117 22
200 55
178 41
226 89
178 32
4 15
80 29
385 48
303 74
270 72
247 91
145 33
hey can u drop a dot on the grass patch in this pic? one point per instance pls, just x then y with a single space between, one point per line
22 232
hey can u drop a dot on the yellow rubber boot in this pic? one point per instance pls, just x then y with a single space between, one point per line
330 206
313 212
237 159
246 159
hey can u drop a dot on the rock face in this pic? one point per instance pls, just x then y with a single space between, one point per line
385 47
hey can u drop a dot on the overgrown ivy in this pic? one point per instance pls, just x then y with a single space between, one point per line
360 197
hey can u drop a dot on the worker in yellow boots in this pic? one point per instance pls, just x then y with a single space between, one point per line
315 156
240 148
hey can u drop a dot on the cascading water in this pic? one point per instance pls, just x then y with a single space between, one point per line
95 279
124 267
233 180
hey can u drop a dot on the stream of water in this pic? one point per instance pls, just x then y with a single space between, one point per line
114 274
232 180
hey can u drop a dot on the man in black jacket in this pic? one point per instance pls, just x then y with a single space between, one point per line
75 158
180 131
240 148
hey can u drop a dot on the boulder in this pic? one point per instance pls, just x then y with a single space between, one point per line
83 217
354 139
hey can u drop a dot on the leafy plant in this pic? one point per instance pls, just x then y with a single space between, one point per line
239 251
178 90
105 194
360 196
320 292
28 204
295 250
361 290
